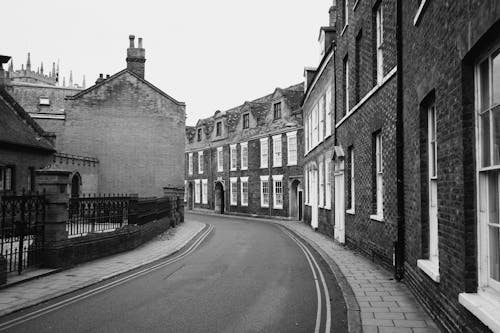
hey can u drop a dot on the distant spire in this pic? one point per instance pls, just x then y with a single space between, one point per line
64 81
22 67
41 68
57 72
11 66
28 63
71 79
83 83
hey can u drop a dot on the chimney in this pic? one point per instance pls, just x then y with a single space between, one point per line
3 77
333 16
107 76
136 57
99 79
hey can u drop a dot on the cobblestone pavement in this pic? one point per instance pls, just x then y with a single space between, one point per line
44 288
385 305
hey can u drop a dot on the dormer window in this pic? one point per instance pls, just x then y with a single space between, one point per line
277 110
199 134
44 101
246 121
218 129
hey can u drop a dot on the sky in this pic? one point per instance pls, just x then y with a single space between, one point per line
212 55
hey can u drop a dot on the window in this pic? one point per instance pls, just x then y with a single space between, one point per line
278 191
233 191
277 151
199 134
264 191
200 162
44 101
190 163
244 191
31 179
185 191
321 183
246 120
345 10
244 155
218 129
197 193
315 126
204 191
357 67
306 133
488 118
306 176
220 159
328 191
7 176
234 157
346 84
311 144
321 133
277 110
378 177
291 145
352 194
379 40
264 153
328 105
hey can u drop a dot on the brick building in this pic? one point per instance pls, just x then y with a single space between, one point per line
24 146
247 160
451 98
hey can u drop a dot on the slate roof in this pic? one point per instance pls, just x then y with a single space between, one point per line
17 127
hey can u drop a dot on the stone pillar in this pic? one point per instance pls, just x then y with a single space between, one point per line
55 183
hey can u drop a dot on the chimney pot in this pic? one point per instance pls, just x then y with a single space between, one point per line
107 76
140 43
101 76
131 38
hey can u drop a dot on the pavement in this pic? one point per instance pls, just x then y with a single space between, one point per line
55 283
376 302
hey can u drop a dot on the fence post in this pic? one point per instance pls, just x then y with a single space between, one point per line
55 183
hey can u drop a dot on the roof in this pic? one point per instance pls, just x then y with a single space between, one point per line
120 73
17 127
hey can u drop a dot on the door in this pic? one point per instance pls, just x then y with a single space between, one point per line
300 205
219 198
339 230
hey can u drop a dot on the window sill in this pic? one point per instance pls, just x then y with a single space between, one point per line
378 218
292 164
430 268
264 206
277 207
484 305
233 169
350 211
344 29
328 207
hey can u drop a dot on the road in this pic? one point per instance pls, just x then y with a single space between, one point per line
239 276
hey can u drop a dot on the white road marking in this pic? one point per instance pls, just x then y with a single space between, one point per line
308 255
87 294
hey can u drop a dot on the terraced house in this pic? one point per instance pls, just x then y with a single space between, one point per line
248 159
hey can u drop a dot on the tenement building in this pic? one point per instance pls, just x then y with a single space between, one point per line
451 99
248 160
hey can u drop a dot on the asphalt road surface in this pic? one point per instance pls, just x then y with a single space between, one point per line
238 276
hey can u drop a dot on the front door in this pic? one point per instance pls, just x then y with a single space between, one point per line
300 205
339 230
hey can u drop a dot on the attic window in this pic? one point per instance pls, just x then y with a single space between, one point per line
44 101
277 110
218 129
199 134
246 120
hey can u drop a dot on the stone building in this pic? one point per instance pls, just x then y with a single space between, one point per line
24 145
451 99
248 160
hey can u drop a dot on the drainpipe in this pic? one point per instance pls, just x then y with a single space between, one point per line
399 247
271 188
211 177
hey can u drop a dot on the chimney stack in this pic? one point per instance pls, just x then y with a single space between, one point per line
3 77
136 57
99 79
333 16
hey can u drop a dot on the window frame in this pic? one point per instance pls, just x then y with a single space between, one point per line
204 191
264 180
379 40
264 158
233 157
199 134
200 162
278 179
218 128
244 155
220 159
379 178
328 107
346 85
190 164
277 151
246 120
277 110
233 192
197 191
321 182
243 184
292 154
328 181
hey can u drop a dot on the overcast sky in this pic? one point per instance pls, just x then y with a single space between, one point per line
209 54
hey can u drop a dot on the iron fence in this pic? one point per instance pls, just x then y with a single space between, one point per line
97 214
22 219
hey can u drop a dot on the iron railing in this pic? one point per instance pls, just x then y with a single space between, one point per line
22 219
97 214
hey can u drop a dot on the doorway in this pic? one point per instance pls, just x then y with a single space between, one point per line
295 200
76 181
190 196
314 198
339 230
219 198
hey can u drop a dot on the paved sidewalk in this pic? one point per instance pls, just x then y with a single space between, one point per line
385 305
42 289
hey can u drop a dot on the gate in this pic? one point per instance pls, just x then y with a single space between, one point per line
22 222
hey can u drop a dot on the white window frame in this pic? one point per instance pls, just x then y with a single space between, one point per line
244 155
352 208
315 129
328 180
220 159
346 13
200 162
233 192
278 179
306 187
233 157
264 153
190 164
321 187
204 191
244 196
291 142
346 88
263 203
311 143
321 120
328 105
306 133
185 190
379 178
277 151
197 191
379 17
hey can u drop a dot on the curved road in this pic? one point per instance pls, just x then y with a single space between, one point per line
240 276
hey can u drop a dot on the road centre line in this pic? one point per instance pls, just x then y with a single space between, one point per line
323 281
89 293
